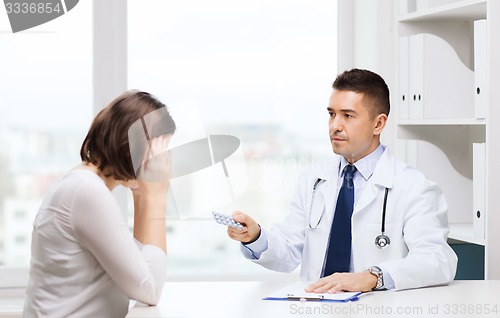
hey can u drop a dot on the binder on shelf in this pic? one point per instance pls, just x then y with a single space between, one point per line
407 6
480 70
411 6
402 7
438 3
478 189
416 75
439 83
403 77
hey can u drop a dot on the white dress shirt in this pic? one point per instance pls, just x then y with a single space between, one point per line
364 170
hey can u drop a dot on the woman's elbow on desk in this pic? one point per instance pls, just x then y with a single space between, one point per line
148 293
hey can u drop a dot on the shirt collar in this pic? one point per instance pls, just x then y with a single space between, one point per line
366 165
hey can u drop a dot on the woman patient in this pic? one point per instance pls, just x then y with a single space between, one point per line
84 260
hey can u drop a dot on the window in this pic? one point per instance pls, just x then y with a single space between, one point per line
258 70
20 214
45 111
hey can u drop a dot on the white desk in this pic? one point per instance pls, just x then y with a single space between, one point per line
243 299
11 302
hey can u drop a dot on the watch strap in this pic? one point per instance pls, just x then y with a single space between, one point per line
375 270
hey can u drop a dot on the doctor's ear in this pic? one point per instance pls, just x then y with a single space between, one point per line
380 122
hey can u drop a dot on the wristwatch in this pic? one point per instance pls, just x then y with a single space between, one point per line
375 270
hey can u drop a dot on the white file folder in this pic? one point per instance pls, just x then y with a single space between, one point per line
480 70
416 76
403 77
406 6
403 7
479 189
440 85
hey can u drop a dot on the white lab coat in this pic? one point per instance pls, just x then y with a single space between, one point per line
416 222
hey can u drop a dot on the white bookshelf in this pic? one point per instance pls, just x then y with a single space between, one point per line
445 10
437 134
450 137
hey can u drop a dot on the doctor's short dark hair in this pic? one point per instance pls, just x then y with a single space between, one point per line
372 85
107 142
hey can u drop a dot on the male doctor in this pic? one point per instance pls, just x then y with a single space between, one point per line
335 228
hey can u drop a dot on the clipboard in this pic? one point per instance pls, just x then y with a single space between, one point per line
295 292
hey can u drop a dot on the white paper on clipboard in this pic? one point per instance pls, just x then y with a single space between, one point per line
295 291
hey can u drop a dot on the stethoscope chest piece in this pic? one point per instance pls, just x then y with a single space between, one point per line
382 241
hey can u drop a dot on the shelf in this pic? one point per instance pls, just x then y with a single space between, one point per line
454 141
442 122
436 144
467 10
463 232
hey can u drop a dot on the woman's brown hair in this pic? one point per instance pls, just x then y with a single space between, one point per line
107 142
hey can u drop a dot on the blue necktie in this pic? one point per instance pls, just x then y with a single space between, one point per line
338 258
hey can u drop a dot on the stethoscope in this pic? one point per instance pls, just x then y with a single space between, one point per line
381 240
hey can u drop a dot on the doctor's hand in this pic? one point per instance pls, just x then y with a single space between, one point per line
354 282
250 231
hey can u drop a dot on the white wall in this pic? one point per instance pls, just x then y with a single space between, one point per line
367 40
